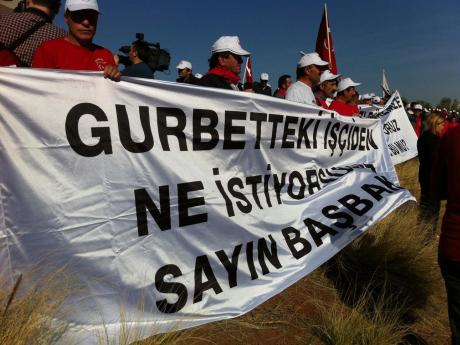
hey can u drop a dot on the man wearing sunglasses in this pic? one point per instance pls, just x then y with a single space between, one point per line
225 64
77 51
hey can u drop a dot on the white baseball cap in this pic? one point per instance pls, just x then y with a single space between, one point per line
77 5
345 84
418 107
184 64
366 96
229 44
198 75
264 76
311 59
376 99
327 76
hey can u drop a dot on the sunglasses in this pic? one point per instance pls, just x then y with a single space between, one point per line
82 15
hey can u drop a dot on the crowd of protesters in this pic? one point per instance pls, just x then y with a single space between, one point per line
30 39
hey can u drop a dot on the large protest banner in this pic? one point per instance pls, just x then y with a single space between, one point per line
399 133
202 203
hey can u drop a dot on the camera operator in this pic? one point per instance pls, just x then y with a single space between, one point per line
138 54
21 33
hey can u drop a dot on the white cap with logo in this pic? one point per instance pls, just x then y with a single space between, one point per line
184 64
418 107
328 76
311 59
345 84
198 75
78 5
264 76
229 44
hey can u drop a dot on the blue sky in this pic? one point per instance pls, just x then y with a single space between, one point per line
416 42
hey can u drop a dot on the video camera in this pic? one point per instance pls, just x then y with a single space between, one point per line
21 7
155 57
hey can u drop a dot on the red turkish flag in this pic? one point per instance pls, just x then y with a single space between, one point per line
324 46
248 71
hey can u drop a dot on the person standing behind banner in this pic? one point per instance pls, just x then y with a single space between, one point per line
263 87
326 89
309 69
446 186
184 70
38 17
138 54
224 64
346 101
77 51
284 82
418 109
428 146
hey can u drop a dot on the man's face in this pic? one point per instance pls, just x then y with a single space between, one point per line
287 83
82 24
349 93
132 53
184 72
314 73
232 62
329 87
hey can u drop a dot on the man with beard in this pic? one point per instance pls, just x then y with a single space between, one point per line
326 88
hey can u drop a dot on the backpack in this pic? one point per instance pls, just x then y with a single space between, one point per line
7 56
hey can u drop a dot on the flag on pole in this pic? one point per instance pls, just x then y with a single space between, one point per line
248 71
385 87
324 45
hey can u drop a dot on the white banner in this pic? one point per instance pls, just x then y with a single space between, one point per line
201 203
399 133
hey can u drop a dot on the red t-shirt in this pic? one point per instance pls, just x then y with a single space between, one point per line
62 54
343 108
446 185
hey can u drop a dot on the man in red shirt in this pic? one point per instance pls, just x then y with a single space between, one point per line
77 51
446 186
346 94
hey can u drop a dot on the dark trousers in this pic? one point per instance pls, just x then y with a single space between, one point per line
450 271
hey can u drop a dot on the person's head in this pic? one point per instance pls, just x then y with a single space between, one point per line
366 99
328 83
139 52
184 68
284 81
346 90
435 124
50 7
309 69
264 78
227 53
417 109
81 17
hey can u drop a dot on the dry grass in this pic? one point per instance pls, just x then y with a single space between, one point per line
30 317
382 287
369 322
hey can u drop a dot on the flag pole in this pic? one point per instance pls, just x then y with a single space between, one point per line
327 33
245 69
